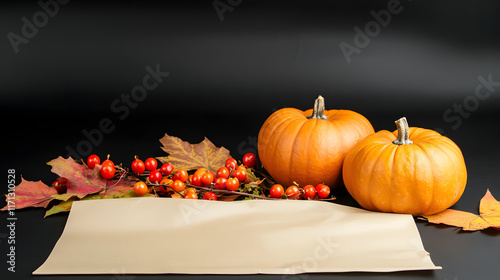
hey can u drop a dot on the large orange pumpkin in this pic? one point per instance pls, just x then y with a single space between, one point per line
308 147
412 170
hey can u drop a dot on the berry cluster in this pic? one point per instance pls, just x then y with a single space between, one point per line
294 192
179 183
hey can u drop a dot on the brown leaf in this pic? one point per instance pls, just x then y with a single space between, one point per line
489 210
30 194
188 156
228 197
83 180
175 195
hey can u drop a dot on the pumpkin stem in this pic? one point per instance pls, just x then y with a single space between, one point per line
403 132
319 109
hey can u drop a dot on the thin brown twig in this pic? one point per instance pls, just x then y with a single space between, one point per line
211 188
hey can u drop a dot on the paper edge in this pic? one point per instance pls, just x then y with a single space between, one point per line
259 271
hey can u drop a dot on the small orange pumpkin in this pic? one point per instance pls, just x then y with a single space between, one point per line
412 170
308 147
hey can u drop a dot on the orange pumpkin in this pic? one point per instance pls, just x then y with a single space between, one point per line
308 147
412 170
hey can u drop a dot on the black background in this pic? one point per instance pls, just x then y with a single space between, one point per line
226 77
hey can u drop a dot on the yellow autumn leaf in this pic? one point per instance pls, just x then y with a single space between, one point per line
489 209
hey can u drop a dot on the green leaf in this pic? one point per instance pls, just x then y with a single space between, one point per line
63 206
251 176
255 192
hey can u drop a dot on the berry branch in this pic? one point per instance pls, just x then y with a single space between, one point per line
230 181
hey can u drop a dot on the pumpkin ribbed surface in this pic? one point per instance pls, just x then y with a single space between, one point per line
293 147
421 178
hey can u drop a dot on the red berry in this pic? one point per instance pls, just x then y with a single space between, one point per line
195 180
108 162
231 164
61 185
223 172
191 195
108 170
220 183
166 181
323 190
207 178
232 184
240 173
293 192
277 191
210 196
249 160
155 176
178 186
200 171
180 174
138 166
166 169
140 188
188 190
92 161
309 191
151 164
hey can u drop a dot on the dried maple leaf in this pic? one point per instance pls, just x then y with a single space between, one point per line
83 180
489 210
188 156
30 194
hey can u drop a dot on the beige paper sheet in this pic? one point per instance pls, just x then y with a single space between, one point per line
164 235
